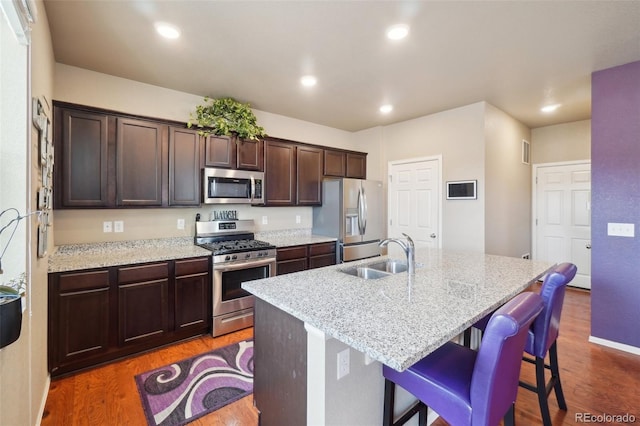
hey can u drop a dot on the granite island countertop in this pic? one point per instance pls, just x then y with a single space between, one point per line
73 257
395 320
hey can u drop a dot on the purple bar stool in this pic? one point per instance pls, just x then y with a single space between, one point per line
466 387
542 338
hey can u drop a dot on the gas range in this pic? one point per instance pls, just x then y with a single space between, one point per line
237 257
230 240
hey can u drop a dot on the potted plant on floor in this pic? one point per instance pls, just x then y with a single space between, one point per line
225 116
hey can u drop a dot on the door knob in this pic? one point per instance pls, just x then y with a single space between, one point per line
432 235
588 246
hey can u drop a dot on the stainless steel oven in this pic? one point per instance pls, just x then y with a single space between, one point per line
237 257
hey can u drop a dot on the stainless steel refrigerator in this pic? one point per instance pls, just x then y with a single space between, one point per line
352 212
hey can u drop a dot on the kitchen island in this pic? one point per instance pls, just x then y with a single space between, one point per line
304 320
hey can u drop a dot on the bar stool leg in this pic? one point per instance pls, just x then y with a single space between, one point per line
541 390
389 399
555 375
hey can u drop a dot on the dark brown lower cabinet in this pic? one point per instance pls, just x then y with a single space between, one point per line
81 311
97 316
192 295
303 257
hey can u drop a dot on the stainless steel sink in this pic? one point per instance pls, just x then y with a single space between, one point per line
365 273
391 266
376 270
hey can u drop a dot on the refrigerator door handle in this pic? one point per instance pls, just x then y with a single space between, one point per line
365 211
360 205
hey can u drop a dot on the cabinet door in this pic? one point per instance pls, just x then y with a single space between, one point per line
356 165
309 168
78 316
184 167
334 163
82 143
220 151
250 154
280 167
143 305
192 294
140 162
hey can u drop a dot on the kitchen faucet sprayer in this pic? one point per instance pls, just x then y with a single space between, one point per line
409 250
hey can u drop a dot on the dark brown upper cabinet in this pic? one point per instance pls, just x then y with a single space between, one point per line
184 167
141 162
231 152
113 160
280 173
334 163
345 164
82 150
309 165
356 165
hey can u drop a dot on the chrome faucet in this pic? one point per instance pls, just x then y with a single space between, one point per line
409 250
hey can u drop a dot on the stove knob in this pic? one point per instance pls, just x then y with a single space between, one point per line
248 255
234 257
260 254
227 257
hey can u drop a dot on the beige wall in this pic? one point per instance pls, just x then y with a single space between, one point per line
561 142
23 365
86 87
507 185
457 135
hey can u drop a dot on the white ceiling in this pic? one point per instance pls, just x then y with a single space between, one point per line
516 55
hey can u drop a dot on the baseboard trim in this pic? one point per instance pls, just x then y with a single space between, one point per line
615 345
43 403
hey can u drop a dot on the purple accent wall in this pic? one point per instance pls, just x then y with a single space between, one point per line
615 156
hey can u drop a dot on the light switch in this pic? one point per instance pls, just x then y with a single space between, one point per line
621 229
180 223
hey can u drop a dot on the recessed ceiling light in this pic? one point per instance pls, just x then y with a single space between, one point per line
386 109
167 30
550 108
308 81
397 32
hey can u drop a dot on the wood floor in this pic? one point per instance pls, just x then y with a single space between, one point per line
596 380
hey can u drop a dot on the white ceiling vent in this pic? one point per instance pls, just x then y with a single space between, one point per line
526 151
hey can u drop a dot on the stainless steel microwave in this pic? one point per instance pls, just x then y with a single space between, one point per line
222 186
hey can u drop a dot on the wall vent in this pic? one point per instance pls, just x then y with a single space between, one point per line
525 152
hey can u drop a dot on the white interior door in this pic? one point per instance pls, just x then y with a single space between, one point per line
414 201
562 226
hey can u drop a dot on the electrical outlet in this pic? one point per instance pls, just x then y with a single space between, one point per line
265 220
526 256
107 227
118 226
180 223
298 218
343 363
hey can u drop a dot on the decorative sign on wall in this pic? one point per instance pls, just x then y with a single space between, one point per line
45 160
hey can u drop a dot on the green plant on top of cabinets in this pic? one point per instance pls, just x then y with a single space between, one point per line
225 116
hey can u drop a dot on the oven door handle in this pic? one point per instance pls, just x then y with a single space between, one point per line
243 265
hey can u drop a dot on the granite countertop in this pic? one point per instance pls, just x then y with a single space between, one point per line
394 320
293 237
74 257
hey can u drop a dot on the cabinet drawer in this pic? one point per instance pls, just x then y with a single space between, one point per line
143 273
192 266
322 260
322 248
289 266
84 281
289 253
